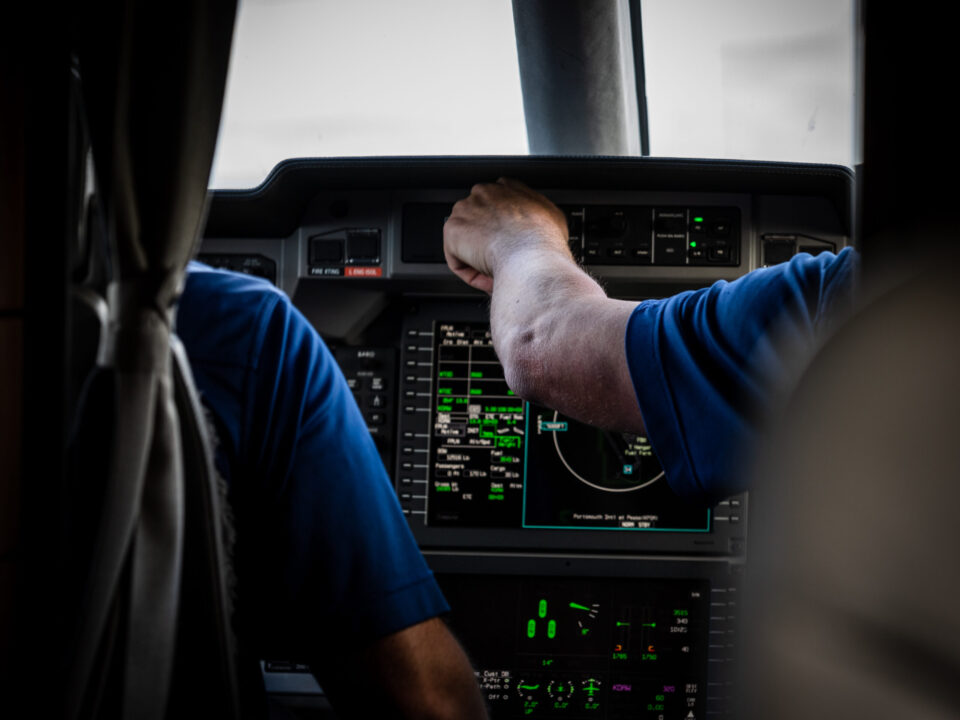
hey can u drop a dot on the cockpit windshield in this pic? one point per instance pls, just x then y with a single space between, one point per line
747 79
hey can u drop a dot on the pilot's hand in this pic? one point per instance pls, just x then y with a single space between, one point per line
496 221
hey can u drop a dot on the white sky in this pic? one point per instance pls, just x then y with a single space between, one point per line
751 79
368 77
756 79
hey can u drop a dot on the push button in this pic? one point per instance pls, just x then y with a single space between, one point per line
325 251
720 253
670 252
363 245
719 228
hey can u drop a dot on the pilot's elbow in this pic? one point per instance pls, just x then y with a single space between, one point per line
524 369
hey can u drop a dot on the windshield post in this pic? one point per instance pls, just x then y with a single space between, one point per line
577 77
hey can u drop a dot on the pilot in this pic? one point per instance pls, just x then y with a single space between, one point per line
693 372
328 571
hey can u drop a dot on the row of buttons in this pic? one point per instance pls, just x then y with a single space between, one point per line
665 251
694 236
642 252
721 648
369 373
633 235
362 247
352 251
730 509
732 512
372 406
415 420
373 401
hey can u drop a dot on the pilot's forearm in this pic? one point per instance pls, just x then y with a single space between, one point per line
419 673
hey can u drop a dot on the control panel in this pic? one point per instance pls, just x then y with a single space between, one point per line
580 586
622 235
639 235
370 374
611 647
585 638
350 252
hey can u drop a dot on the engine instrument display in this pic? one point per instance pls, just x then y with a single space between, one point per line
607 648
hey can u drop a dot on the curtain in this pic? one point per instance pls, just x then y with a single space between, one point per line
149 556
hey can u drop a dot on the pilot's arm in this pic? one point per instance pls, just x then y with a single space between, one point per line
328 571
364 607
418 672
696 369
557 334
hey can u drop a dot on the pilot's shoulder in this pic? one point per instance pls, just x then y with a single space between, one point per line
223 316
211 283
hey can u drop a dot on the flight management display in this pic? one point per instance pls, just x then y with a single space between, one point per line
496 461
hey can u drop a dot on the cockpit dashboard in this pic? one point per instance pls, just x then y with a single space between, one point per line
579 584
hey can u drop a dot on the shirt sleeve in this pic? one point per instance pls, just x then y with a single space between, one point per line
334 561
707 364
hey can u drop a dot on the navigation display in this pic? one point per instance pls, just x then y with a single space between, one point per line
496 461
580 476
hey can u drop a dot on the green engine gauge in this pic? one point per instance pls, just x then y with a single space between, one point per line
586 617
560 690
589 698
529 691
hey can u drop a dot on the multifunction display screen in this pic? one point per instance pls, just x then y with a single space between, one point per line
585 648
497 461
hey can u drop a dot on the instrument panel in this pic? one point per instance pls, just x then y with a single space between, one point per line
580 586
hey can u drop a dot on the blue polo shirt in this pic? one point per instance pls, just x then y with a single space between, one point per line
324 556
708 364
